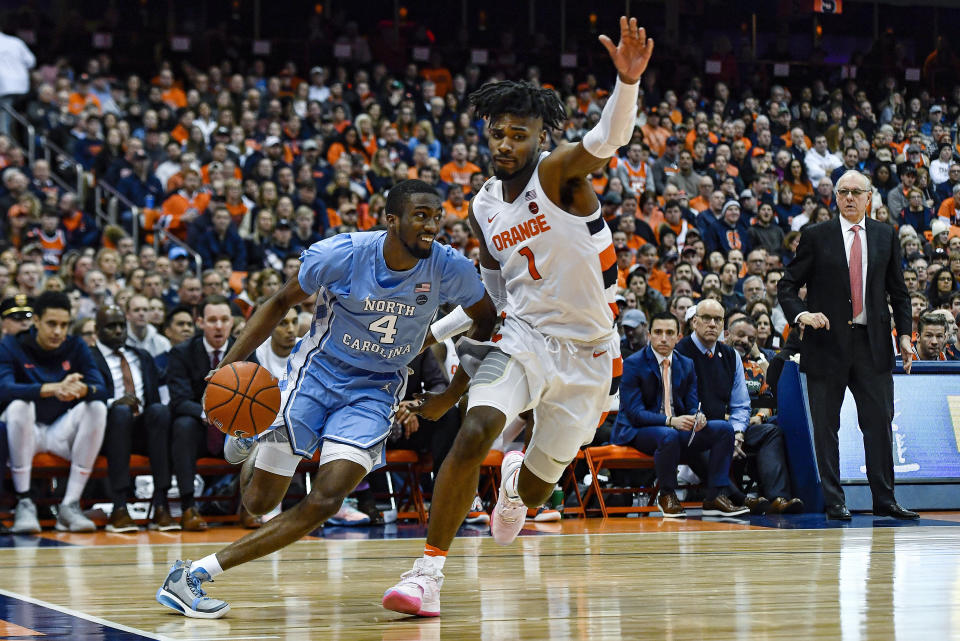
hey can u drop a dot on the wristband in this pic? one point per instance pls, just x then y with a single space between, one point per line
456 322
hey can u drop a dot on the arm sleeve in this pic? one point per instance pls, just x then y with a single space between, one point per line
739 399
327 264
616 121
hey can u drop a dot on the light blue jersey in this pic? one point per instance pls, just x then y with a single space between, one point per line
345 377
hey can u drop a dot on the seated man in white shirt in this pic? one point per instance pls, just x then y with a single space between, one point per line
137 421
140 333
819 161
275 350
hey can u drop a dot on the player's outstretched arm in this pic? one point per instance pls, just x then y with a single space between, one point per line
265 320
630 57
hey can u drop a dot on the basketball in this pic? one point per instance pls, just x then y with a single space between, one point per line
242 399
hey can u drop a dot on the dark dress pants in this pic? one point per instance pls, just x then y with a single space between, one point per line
146 434
872 390
765 442
669 449
189 443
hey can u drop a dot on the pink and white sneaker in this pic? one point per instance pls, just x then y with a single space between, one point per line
418 592
509 513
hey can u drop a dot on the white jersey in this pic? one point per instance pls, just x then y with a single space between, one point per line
560 270
276 365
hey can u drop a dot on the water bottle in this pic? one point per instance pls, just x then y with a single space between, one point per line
148 201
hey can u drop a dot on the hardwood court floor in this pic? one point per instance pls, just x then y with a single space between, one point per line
614 579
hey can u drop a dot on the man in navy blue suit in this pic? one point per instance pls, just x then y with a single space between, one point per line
671 430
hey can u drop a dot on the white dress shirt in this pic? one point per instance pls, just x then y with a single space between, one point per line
847 227
660 360
210 350
116 372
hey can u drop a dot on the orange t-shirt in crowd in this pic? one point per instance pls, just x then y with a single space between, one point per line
78 102
660 281
453 173
636 242
174 182
237 212
692 137
656 138
180 134
174 97
177 205
441 78
599 184
800 191
460 212
699 203
333 217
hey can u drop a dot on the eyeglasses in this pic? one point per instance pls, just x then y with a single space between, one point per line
856 193
711 319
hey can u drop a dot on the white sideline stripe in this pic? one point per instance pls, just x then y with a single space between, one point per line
81 615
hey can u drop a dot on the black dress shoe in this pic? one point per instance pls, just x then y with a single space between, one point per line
896 512
838 512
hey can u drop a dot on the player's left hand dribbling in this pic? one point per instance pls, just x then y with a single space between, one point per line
430 405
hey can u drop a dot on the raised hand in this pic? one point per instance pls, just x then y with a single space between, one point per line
631 55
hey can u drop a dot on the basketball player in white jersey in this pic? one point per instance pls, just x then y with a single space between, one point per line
547 260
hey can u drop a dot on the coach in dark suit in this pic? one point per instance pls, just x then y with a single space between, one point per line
664 429
193 437
850 266
136 420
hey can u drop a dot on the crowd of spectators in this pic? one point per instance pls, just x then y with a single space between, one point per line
707 202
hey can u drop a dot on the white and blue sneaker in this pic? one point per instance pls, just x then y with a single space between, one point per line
237 450
182 593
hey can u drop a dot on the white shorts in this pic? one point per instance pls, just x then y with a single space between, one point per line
566 383
275 455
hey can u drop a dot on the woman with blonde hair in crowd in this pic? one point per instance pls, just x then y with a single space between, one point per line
108 262
423 135
380 174
367 134
268 195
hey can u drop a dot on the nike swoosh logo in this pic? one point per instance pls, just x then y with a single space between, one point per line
490 219
598 354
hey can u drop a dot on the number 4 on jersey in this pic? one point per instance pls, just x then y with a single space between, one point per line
531 262
385 325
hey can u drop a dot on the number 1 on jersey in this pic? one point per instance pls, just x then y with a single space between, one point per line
531 262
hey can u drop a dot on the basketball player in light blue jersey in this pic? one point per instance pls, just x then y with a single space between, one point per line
377 294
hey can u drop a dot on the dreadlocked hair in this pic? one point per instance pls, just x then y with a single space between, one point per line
520 99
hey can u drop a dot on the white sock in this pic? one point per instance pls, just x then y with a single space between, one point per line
513 460
75 483
435 562
208 564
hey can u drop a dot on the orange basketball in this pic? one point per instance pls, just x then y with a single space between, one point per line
242 399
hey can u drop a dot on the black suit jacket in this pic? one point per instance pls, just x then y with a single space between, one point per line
148 370
188 367
821 265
